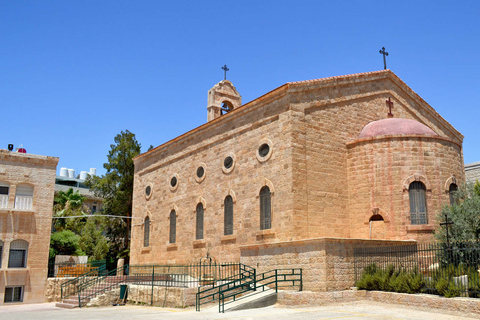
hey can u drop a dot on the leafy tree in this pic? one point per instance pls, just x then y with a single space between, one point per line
464 213
77 236
65 242
116 188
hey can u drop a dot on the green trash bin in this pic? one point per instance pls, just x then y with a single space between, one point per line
123 291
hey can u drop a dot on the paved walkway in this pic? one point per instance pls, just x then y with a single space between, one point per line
355 311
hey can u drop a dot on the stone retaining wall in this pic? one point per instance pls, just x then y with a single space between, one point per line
469 306
162 296
53 291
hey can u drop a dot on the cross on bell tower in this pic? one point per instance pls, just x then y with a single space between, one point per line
384 60
225 69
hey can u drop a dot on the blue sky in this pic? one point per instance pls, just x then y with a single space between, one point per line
76 73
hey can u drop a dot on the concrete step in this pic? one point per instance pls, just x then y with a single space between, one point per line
65 305
252 300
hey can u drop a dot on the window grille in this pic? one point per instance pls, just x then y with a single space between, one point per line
146 232
173 226
13 294
451 193
418 203
228 215
199 228
17 257
265 209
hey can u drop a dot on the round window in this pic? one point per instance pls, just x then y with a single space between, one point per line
148 190
228 162
264 150
173 181
200 172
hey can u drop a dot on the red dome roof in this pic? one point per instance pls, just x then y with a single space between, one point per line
395 126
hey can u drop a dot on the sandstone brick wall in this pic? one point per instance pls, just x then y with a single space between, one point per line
169 297
327 263
320 176
472 172
31 225
380 171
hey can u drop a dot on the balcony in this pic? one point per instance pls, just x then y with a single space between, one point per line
3 201
23 202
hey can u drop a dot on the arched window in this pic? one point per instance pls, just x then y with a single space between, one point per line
199 225
228 216
24 197
265 209
451 193
418 203
18 254
146 232
173 226
4 188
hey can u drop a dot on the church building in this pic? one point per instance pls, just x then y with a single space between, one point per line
308 166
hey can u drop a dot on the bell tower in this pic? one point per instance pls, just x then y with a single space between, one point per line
222 98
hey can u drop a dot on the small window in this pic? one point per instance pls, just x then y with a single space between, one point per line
173 182
418 203
199 222
94 209
148 190
451 193
265 209
24 197
228 216
13 294
263 150
173 226
200 172
4 195
146 232
1 253
17 257
228 162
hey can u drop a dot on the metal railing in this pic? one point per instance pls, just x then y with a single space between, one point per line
274 279
455 265
98 285
187 275
72 269
23 202
210 291
71 287
3 201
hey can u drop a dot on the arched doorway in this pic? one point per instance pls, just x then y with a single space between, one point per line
376 227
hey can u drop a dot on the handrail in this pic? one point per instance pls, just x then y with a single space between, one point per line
106 282
270 277
205 295
70 287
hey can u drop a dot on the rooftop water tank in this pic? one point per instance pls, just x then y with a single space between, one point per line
63 172
83 175
93 171
71 173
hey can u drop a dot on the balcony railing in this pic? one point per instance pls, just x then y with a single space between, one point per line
3 201
23 202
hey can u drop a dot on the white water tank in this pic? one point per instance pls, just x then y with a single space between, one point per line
93 171
83 175
71 173
63 172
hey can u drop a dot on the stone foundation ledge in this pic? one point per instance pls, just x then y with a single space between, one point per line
468 306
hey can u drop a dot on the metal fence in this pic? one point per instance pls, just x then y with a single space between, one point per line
187 275
72 269
455 266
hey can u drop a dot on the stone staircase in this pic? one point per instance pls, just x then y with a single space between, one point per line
90 292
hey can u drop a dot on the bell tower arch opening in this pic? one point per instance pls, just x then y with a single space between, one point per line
222 99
